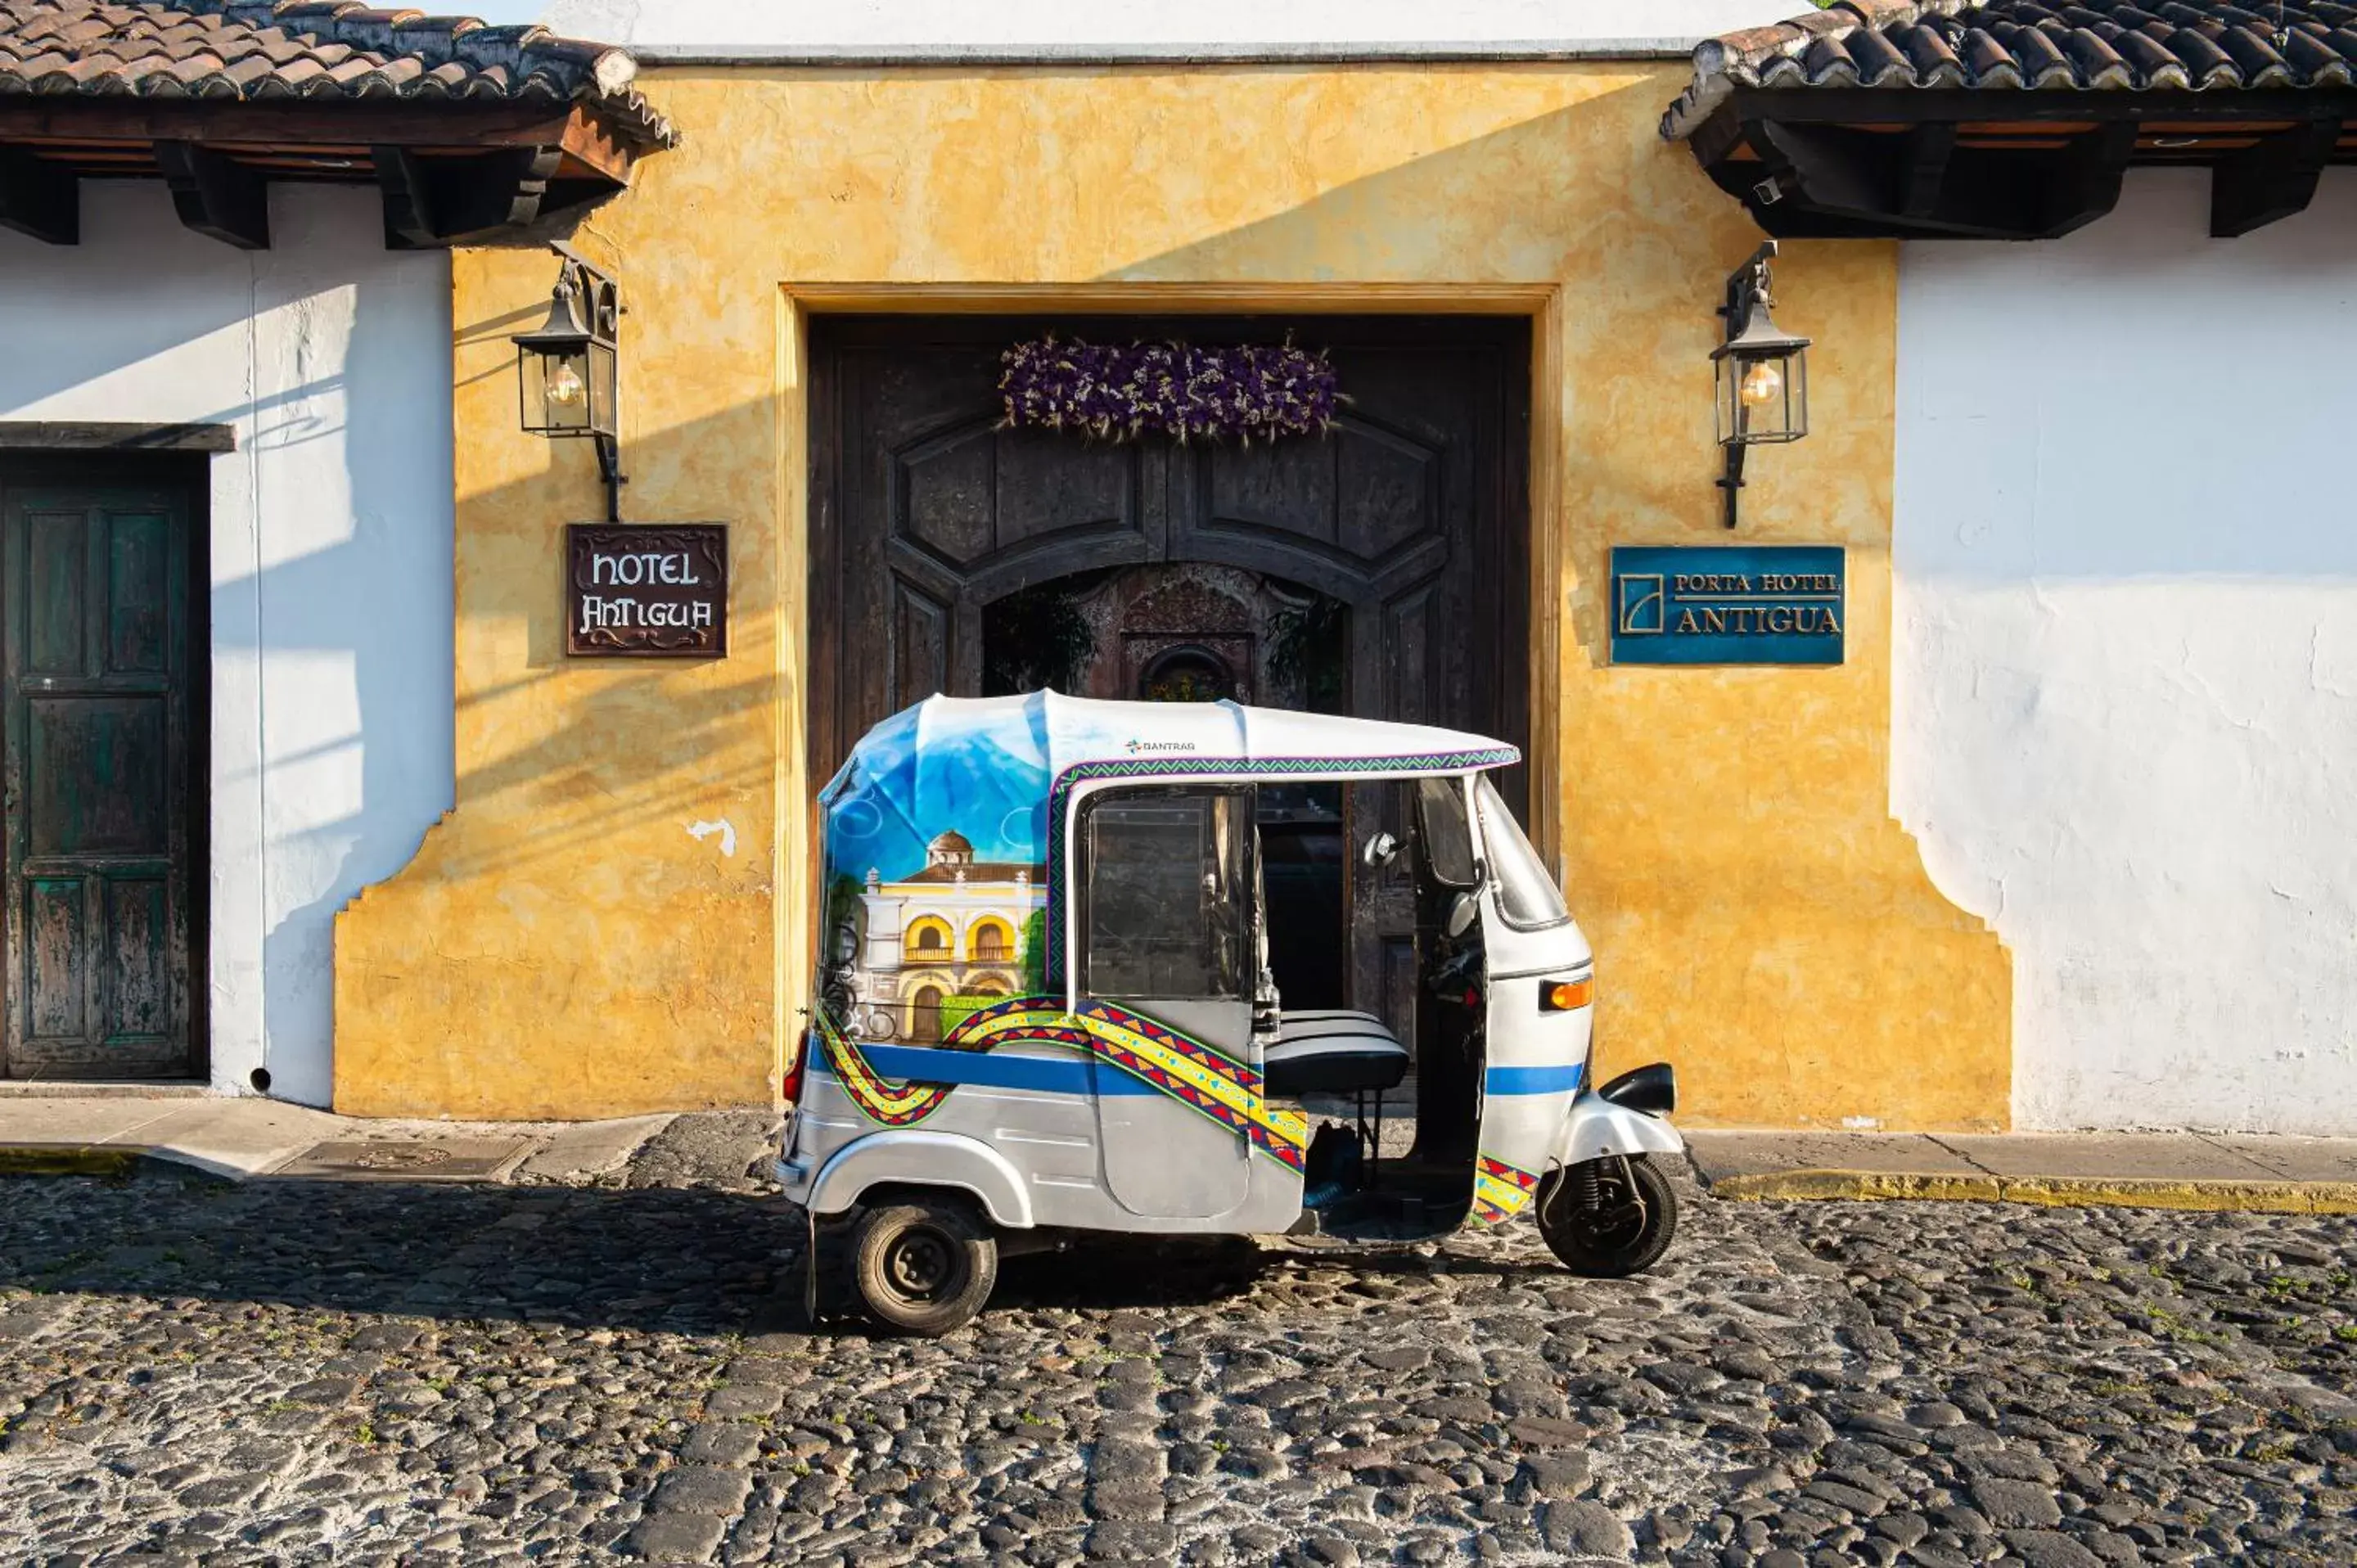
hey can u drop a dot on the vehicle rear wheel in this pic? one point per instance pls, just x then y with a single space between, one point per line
1619 1226
922 1268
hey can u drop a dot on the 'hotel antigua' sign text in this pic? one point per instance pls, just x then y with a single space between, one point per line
1758 604
647 589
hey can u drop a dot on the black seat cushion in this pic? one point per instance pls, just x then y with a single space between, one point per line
1332 1053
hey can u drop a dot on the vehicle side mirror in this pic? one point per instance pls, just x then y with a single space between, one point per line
1381 850
1462 911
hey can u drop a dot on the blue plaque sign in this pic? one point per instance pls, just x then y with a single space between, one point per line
1752 604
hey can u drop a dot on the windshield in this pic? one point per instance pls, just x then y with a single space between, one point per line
1447 840
1527 896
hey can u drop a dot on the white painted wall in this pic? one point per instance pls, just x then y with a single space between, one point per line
949 28
331 553
2125 684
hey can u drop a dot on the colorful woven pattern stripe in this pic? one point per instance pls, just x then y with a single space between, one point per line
1059 796
1500 1192
1226 1091
877 1100
1198 1076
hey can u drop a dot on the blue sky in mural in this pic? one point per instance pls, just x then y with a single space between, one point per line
981 770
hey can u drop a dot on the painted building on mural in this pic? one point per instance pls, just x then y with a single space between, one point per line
953 934
2051 833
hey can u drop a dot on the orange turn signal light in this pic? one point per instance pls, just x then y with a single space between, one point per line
1562 995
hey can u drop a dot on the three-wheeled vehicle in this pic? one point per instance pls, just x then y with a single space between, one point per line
1047 1002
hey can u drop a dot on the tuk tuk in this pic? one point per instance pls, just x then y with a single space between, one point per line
1047 1003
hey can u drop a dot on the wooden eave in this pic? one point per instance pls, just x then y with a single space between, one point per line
1960 163
449 173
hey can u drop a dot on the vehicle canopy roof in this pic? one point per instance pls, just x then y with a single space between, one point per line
972 782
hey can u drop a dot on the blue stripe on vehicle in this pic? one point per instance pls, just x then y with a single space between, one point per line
1533 1079
991 1069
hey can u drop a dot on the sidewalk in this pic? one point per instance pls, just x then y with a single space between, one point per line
240 1138
2139 1170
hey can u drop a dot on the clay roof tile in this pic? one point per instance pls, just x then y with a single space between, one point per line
2154 45
312 48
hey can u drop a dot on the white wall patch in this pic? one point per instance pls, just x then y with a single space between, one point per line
699 831
2124 685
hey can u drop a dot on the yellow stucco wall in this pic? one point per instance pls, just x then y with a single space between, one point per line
562 947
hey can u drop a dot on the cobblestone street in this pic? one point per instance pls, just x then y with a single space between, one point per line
390 1372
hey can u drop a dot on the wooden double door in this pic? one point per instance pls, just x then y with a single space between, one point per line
1412 512
101 575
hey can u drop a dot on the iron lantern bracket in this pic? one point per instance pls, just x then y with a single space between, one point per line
1731 480
609 469
1746 286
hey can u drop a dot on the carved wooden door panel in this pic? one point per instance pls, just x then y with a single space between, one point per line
1388 513
101 857
1412 511
923 512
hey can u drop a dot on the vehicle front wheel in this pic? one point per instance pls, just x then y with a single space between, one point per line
922 1268
1616 1224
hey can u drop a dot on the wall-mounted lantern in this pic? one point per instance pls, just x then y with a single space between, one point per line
1763 374
568 371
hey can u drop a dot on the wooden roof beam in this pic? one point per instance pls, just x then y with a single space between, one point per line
433 203
1924 185
1929 147
2086 180
216 195
1863 183
277 124
39 198
2270 179
2181 113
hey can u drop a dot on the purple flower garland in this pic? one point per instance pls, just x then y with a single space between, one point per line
1117 394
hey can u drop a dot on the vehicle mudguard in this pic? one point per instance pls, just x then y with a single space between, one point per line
915 1158
1597 1127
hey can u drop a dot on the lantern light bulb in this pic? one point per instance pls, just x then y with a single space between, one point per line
1761 383
567 388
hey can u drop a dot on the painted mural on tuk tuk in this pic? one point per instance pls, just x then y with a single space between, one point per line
937 909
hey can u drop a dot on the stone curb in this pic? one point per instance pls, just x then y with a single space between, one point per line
68 1159
2055 1192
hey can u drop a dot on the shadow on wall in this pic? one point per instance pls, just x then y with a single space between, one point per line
358 707
1638 288
354 676
636 739
589 932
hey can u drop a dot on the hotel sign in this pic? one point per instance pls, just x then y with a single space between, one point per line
649 590
1758 604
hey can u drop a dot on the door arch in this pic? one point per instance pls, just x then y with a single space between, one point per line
925 1016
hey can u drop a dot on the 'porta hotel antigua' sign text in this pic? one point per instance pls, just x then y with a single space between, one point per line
647 589
1760 604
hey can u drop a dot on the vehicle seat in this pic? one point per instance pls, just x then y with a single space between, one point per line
1323 1052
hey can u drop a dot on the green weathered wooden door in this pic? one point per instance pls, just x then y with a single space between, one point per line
99 857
